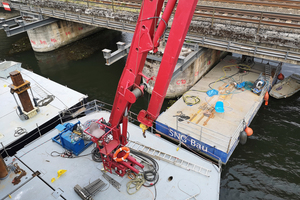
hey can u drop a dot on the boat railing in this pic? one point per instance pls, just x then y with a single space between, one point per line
97 105
33 135
215 138
66 115
63 116
204 134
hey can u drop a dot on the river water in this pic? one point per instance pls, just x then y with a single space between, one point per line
266 167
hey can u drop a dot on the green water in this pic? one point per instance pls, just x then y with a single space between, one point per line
266 167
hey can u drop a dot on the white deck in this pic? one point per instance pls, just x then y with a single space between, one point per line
223 129
83 170
41 87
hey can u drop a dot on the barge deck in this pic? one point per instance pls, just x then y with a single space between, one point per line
202 126
176 181
53 98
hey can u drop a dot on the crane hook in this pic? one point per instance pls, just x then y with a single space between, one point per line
144 128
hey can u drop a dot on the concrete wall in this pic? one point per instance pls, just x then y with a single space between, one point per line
188 77
57 34
8 14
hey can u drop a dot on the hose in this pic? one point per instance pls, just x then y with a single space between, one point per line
150 176
96 156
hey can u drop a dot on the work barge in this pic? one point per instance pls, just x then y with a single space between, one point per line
39 169
30 105
214 124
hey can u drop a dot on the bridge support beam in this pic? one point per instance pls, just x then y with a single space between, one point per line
22 26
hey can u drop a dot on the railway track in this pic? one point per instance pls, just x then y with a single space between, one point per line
264 18
270 3
238 15
290 4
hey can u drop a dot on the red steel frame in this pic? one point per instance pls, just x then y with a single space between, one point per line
146 38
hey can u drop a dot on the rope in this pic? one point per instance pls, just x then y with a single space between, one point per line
66 154
191 99
96 156
190 196
46 101
45 89
136 184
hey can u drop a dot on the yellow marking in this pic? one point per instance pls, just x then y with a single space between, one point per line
60 172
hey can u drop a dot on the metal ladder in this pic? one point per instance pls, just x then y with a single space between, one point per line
168 158
268 73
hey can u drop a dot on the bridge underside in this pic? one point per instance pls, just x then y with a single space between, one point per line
258 40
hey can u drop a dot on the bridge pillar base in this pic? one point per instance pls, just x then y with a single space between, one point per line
58 34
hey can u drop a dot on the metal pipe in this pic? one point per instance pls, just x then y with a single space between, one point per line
164 21
34 99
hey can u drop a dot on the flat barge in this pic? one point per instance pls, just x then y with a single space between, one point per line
213 126
52 99
182 175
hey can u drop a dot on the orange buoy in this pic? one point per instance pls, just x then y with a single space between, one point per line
249 131
280 76
266 98
158 135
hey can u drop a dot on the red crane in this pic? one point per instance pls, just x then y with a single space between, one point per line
148 32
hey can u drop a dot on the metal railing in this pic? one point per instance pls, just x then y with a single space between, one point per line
215 138
66 115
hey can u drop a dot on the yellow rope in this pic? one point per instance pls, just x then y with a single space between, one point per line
136 184
191 99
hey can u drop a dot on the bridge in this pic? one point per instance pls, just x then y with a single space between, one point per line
268 29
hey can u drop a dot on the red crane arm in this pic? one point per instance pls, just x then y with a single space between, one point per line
182 19
143 41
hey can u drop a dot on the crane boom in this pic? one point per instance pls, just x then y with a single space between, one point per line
145 40
150 28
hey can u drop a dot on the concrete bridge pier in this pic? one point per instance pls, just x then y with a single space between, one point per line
57 34
44 38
